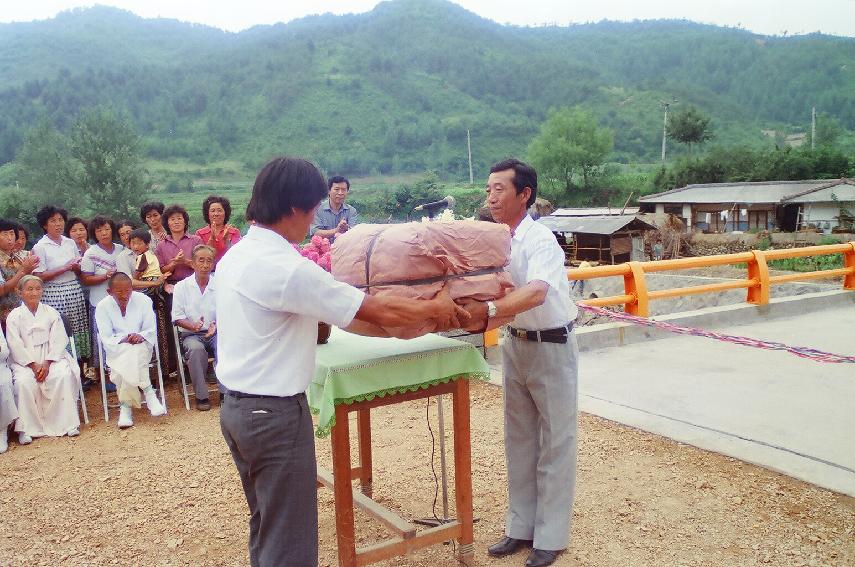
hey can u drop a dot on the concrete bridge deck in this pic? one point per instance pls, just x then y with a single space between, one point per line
771 408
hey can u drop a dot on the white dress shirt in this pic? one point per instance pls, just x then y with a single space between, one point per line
113 327
190 302
269 300
536 255
52 256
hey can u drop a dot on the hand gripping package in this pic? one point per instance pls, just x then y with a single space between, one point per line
417 259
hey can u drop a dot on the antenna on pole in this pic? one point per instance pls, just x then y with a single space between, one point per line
469 147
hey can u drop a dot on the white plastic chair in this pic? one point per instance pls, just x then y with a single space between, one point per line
81 393
101 358
181 364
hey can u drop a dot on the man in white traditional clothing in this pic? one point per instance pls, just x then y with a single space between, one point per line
46 376
8 409
127 331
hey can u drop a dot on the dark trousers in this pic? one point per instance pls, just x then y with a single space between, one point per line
197 347
273 447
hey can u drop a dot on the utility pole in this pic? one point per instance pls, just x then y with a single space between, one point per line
469 147
665 105
813 129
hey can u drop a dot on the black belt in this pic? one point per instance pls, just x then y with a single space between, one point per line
558 335
236 394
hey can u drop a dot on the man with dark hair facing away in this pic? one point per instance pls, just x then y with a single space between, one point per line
269 300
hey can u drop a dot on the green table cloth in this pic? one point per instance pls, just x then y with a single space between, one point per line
352 368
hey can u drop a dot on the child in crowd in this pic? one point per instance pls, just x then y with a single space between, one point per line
146 265
46 376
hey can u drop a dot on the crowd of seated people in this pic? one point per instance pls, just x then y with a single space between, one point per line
114 288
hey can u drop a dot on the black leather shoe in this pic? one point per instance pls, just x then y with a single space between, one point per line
541 558
203 405
507 545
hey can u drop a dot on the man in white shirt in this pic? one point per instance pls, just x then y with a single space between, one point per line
269 300
540 368
194 313
127 331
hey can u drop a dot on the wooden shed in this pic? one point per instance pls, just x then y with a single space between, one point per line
612 239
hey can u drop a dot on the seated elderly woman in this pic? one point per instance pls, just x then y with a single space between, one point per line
46 376
8 409
219 235
126 328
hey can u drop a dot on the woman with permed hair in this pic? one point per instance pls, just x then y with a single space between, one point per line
152 215
219 235
59 266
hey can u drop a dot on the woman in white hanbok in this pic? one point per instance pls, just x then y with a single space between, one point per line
8 409
46 376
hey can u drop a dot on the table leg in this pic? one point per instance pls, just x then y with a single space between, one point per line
463 471
363 422
344 528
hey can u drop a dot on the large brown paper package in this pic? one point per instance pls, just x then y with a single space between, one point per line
417 259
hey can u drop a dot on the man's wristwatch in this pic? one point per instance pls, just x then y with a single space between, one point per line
491 309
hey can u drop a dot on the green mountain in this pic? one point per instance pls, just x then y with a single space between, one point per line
395 89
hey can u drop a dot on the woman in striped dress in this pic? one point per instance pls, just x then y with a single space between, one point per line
59 266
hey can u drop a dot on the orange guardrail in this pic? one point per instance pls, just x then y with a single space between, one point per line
636 297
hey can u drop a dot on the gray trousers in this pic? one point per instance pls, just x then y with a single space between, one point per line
273 447
196 351
540 381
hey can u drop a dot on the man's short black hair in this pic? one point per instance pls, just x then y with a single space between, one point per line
176 210
210 200
8 225
151 206
46 212
117 277
97 222
285 183
69 224
524 176
140 233
338 179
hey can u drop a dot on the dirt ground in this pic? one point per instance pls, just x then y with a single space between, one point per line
166 493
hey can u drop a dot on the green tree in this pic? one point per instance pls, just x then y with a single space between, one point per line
688 126
44 167
110 173
569 144
828 130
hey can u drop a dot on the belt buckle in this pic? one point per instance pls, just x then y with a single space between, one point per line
520 334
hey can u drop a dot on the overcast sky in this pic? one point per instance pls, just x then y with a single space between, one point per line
771 17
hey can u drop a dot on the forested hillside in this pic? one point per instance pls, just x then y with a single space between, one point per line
395 89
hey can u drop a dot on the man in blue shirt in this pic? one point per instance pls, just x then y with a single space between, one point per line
334 217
